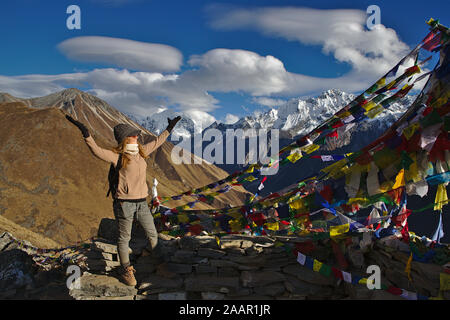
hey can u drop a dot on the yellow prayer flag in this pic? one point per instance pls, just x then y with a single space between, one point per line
235 225
343 115
250 169
363 281
311 148
183 218
399 179
390 85
274 226
298 205
410 130
408 267
339 230
369 106
294 157
375 111
381 82
317 265
441 197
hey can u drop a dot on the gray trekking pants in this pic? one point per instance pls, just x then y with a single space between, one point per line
125 212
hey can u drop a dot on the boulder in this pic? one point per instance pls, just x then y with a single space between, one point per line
16 270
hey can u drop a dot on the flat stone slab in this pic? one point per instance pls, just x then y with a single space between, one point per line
102 286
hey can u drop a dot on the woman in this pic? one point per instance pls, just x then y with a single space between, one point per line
132 190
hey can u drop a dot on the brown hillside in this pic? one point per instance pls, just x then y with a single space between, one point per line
52 184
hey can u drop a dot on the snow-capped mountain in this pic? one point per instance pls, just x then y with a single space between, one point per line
300 116
157 122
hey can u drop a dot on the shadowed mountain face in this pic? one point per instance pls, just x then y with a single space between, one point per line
52 184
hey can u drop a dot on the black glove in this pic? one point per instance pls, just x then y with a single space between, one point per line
172 123
80 126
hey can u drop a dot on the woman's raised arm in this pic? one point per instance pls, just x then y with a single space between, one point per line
103 154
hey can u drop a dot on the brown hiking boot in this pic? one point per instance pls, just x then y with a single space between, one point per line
128 276
163 271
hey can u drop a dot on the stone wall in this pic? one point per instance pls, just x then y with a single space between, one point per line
247 268
236 268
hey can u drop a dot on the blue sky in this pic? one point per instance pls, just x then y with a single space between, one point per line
210 59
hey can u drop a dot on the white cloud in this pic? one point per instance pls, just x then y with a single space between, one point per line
342 33
269 102
200 118
231 118
123 53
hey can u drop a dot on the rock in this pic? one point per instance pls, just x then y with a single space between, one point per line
254 250
179 268
212 296
308 275
16 269
205 269
356 257
302 288
227 272
98 255
194 243
185 256
104 247
273 290
245 244
210 253
235 251
156 282
211 283
102 264
394 243
260 278
223 263
102 285
146 297
258 261
226 244
172 296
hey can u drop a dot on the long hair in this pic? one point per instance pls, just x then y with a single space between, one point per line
125 157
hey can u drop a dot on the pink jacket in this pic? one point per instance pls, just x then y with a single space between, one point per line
132 179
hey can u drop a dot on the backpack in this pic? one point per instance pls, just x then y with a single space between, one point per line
113 177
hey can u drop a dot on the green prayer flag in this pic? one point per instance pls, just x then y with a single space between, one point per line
325 270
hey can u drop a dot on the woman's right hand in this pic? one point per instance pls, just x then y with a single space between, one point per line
80 126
